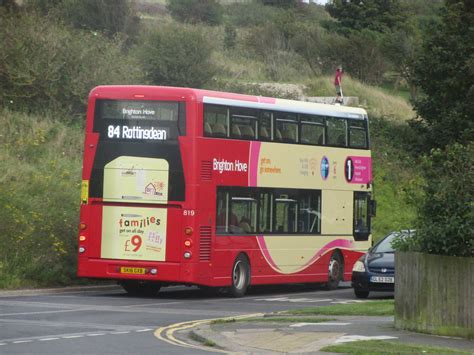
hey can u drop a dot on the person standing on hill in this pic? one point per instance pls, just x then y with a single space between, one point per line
338 84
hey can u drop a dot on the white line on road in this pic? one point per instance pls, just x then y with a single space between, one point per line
73 336
42 312
294 300
143 330
349 301
296 325
48 339
115 333
95 334
22 341
351 338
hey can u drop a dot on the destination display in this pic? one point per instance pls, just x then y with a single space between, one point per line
138 110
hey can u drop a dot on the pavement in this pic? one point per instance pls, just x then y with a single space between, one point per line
266 337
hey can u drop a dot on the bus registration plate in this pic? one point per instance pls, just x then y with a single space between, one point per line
383 279
132 270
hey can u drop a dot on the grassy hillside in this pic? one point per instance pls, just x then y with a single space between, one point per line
40 160
50 65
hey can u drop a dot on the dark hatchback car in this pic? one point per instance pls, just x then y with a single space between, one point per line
375 271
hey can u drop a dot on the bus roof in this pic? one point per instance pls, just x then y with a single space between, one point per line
133 92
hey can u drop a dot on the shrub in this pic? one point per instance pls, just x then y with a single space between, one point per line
178 56
44 65
445 224
191 11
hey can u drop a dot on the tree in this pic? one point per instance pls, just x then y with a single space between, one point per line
192 11
375 15
177 56
445 223
444 71
286 4
107 16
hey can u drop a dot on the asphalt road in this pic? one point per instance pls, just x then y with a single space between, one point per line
110 321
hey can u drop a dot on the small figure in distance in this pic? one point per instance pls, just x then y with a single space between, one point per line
338 85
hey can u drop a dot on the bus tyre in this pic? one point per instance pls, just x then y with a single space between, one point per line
335 271
240 276
361 293
141 288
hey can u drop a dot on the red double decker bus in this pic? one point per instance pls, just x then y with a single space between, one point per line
196 187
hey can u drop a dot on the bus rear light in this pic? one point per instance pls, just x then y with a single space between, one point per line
82 238
187 255
153 271
139 96
82 226
82 250
188 231
188 243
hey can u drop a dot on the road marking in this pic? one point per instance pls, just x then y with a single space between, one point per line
349 301
42 312
351 338
73 336
166 334
143 330
295 300
22 341
48 339
95 334
116 333
296 325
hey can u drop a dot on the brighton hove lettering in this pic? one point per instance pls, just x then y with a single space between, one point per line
135 111
135 132
224 165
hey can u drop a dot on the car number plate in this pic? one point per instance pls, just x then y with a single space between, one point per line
132 270
382 279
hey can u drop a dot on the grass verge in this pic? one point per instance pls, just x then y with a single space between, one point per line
369 347
200 339
369 308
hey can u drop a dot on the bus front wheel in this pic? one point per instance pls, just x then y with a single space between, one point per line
335 271
240 276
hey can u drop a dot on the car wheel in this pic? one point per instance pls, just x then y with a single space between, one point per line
335 271
240 276
361 293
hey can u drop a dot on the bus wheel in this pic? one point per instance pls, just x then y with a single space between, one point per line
335 270
140 288
240 276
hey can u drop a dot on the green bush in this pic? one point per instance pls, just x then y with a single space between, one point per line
40 160
45 65
107 16
250 14
191 11
178 56
445 224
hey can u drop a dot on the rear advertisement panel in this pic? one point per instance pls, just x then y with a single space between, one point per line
133 233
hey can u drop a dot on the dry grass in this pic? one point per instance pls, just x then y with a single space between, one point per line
373 99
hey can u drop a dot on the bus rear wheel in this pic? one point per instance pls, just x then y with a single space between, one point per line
335 271
140 288
240 276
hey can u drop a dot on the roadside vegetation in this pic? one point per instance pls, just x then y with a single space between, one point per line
366 308
378 347
54 52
